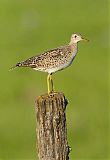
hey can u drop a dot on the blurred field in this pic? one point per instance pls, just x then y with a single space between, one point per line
30 27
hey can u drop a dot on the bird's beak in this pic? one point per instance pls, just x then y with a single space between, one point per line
84 39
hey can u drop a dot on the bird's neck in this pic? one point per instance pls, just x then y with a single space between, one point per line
73 46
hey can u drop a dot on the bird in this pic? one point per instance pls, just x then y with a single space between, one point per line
53 60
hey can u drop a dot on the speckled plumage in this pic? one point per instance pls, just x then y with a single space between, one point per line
53 60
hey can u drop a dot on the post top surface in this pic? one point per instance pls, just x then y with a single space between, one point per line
51 95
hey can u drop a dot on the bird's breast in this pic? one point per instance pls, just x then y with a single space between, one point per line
65 62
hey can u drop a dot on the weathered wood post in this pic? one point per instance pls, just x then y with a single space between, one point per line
51 127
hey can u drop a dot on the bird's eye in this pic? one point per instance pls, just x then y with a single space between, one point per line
75 36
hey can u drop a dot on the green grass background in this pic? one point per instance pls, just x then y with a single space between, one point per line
30 27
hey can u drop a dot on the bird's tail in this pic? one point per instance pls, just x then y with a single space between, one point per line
17 65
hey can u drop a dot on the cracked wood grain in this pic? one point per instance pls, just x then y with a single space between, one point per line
51 127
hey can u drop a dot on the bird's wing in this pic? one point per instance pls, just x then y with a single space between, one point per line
39 60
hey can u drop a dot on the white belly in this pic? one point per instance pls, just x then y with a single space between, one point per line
60 67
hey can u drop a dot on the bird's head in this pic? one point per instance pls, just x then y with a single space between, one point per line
75 38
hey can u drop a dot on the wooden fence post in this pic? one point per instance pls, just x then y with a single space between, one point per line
51 127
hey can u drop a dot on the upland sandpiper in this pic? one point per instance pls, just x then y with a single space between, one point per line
54 59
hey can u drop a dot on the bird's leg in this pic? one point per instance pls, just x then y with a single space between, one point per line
48 83
52 86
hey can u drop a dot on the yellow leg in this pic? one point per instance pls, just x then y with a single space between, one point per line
51 81
48 83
